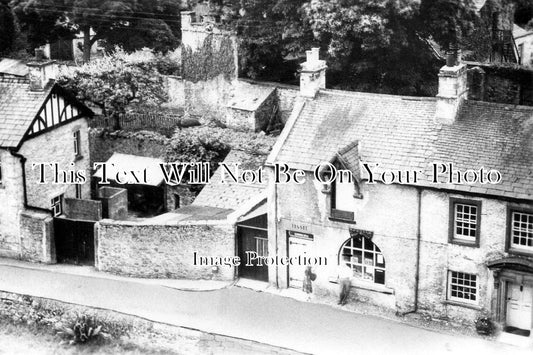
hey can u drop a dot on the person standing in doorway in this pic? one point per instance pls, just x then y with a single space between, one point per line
345 283
307 285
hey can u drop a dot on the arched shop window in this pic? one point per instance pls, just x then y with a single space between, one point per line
364 258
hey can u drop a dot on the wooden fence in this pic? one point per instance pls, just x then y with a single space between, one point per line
140 120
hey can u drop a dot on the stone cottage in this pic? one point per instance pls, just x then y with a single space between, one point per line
429 201
40 124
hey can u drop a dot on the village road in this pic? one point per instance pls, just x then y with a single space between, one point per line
243 313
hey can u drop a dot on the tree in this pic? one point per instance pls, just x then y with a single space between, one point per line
269 32
133 24
369 45
372 44
7 27
117 81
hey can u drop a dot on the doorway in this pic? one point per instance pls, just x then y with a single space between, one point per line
298 244
519 309
74 241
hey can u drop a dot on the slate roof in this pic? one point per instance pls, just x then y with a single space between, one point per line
18 108
399 133
232 195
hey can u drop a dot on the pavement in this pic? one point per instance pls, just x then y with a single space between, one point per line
244 313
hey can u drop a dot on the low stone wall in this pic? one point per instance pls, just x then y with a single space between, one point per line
36 236
163 251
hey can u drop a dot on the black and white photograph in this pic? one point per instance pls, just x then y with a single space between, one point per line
285 177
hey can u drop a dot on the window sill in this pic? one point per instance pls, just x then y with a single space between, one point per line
366 286
463 304
521 252
465 243
349 221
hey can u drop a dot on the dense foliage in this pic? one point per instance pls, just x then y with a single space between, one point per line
132 24
370 45
117 80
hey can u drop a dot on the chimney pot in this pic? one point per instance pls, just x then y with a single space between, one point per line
39 53
452 92
40 73
313 74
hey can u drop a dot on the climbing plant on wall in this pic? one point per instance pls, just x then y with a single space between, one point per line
216 56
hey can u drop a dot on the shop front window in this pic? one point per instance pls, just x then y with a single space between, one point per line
364 259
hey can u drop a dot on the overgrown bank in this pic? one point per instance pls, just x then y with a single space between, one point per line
43 319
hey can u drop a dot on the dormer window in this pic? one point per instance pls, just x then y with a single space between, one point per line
342 186
342 197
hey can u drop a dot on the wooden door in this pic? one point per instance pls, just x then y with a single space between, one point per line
298 247
252 240
519 306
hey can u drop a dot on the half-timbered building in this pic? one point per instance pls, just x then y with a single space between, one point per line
42 129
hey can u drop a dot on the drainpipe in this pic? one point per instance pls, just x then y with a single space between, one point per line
23 165
276 229
418 242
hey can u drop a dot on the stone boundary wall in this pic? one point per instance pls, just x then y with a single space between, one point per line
163 251
36 236
50 315
144 143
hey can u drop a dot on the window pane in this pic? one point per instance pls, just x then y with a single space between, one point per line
522 230
462 286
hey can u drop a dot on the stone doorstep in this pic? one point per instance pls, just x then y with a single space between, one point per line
516 340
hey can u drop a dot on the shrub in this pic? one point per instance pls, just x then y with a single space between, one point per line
84 329
484 326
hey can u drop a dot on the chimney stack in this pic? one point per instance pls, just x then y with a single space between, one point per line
40 73
452 89
313 74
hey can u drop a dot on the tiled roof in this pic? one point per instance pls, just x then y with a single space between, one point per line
399 133
232 195
18 108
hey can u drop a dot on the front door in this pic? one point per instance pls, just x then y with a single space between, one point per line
253 244
519 306
299 245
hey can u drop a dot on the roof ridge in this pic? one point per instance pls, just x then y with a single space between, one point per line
361 93
8 79
509 107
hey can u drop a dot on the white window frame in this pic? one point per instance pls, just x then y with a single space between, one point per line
56 205
465 284
524 230
464 220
